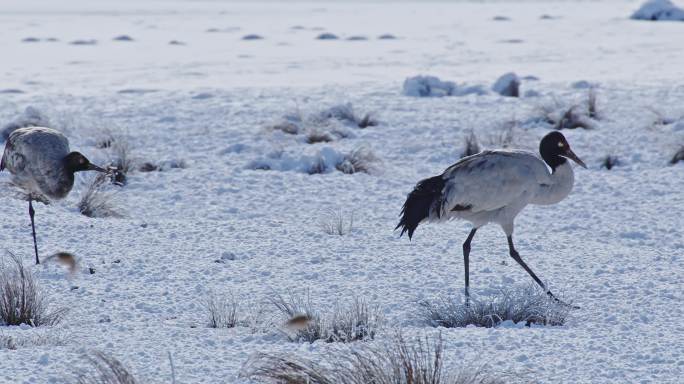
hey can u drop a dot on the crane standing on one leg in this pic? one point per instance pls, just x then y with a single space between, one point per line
40 162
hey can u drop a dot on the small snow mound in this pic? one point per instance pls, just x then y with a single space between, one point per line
252 36
431 86
507 85
30 40
501 18
123 38
9 91
327 36
387 36
176 42
659 10
31 117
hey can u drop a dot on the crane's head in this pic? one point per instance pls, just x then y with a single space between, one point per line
76 162
554 149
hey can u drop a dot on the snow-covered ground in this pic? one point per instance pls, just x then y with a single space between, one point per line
615 246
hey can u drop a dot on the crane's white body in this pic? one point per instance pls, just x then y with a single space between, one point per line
34 156
494 186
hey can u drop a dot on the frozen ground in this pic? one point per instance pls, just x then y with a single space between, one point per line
614 246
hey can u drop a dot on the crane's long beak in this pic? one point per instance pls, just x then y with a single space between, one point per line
571 155
93 167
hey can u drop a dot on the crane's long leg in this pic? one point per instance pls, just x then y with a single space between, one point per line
516 256
466 260
32 213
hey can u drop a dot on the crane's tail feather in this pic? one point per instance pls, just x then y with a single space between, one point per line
426 195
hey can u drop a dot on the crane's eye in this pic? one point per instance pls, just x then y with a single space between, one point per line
560 144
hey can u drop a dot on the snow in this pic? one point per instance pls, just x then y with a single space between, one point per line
614 246
659 10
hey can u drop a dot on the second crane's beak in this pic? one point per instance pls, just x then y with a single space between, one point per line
571 155
93 167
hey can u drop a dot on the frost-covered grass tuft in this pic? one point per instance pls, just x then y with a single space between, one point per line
29 340
472 146
368 120
317 136
563 117
397 361
337 222
104 369
610 161
31 117
592 108
21 300
504 138
328 124
678 156
162 165
352 321
120 155
223 311
97 200
361 159
572 118
528 305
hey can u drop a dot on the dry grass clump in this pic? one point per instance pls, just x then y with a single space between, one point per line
472 146
678 156
21 300
398 361
353 321
104 369
223 311
361 159
610 161
317 136
529 305
97 200
337 222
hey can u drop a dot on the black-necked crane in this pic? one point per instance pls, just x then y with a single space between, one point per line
493 187
42 165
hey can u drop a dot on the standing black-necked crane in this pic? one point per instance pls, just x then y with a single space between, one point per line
493 187
42 165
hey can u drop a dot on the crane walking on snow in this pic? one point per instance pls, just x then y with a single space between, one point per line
40 162
493 187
